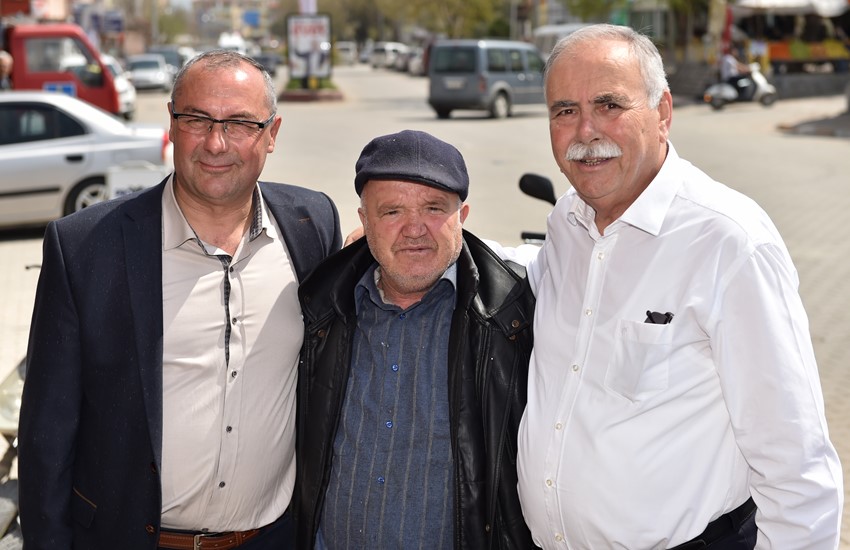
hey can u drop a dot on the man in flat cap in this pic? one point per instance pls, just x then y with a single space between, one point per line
414 369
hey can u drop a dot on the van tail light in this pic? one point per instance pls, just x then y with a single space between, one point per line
482 84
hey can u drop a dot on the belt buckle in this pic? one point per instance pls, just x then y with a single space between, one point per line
196 541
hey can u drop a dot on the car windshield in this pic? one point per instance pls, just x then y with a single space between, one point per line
455 59
144 64
113 68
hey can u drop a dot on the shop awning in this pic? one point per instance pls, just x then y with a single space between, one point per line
824 8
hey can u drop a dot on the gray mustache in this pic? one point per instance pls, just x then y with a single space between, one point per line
597 149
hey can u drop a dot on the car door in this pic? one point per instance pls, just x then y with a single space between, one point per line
527 68
43 151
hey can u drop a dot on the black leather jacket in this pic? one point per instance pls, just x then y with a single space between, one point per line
489 348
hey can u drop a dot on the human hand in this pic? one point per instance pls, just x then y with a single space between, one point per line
354 235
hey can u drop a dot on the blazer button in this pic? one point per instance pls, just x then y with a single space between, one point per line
486 527
321 333
150 529
515 323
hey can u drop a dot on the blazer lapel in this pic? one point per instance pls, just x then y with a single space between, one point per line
142 230
299 232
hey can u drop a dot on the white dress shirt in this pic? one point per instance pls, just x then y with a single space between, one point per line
228 442
637 435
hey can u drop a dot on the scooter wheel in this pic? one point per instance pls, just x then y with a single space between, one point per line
717 103
768 100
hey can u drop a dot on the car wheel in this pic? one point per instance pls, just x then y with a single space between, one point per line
501 106
443 113
84 194
128 115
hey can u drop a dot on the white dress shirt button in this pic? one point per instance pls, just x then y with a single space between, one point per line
559 537
575 368
558 425
588 312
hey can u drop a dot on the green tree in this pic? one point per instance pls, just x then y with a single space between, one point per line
173 23
594 10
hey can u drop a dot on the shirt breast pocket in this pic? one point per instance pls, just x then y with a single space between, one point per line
640 362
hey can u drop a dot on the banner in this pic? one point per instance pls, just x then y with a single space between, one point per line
309 45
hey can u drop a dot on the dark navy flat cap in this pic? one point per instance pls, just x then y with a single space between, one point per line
415 156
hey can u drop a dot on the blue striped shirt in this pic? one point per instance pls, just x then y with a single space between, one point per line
392 481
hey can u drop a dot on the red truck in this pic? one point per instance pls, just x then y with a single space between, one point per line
59 57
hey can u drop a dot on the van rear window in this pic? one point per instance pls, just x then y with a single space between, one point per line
454 60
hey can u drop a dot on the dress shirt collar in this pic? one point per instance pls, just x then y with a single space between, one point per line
648 211
176 229
368 284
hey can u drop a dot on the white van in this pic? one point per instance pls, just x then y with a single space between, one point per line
546 36
384 54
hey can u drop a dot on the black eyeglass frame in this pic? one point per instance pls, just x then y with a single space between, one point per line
213 121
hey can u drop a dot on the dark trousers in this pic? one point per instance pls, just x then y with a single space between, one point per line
739 533
279 535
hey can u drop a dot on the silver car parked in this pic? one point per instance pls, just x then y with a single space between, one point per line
149 71
56 152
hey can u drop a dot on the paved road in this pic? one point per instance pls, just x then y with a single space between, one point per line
802 182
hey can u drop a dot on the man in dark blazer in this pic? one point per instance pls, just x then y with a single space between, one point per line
107 440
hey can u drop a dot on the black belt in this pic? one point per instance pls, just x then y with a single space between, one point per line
723 526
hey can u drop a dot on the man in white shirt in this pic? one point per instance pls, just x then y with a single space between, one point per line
674 399
736 73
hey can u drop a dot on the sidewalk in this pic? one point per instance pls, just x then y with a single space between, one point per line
837 126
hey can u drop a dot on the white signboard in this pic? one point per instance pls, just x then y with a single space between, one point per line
309 41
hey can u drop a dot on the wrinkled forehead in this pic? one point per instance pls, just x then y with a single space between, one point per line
588 71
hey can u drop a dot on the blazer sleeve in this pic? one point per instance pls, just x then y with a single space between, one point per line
50 409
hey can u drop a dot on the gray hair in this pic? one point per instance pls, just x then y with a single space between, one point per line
217 59
649 60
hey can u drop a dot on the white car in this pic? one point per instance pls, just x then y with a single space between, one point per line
125 88
150 71
57 151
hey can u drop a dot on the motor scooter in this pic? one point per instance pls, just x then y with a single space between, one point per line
753 88
538 187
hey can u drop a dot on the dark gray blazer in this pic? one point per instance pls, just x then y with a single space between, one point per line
90 432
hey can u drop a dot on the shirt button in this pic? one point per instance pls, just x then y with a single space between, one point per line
575 368
600 256
559 538
395 368
558 426
220 484
389 423
588 312
233 374
229 429
548 482
233 320
381 479
402 316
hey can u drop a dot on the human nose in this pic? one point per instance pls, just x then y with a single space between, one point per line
413 225
216 137
587 130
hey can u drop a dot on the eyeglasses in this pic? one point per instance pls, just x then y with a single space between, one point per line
235 129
